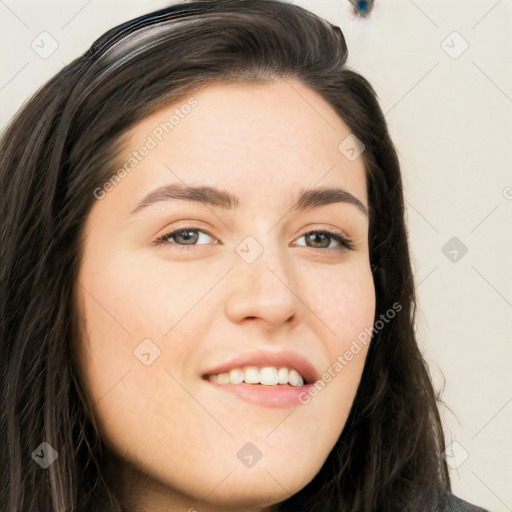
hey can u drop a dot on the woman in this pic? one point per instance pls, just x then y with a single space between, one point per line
173 336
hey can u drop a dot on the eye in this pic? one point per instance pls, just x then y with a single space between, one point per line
188 236
343 242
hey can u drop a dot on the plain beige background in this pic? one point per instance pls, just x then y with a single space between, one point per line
441 70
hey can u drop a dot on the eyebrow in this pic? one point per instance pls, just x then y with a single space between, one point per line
307 198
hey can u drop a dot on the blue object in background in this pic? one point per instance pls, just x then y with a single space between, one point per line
362 8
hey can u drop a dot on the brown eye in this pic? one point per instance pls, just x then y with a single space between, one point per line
186 237
323 237
316 238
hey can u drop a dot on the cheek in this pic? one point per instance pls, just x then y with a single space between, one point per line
126 294
346 308
344 302
126 311
134 314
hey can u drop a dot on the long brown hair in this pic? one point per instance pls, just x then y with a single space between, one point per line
62 145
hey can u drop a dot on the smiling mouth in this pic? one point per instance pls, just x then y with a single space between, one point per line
274 396
268 376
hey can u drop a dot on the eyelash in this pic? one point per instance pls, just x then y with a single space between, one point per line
345 243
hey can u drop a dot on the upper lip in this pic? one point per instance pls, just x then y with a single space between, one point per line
282 359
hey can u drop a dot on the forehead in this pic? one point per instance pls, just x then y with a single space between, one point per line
252 137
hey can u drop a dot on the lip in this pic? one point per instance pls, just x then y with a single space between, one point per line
282 359
268 396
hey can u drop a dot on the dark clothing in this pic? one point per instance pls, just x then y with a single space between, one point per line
457 505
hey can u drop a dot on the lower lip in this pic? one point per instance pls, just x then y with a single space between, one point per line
269 396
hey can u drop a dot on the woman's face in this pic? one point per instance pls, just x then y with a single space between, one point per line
229 287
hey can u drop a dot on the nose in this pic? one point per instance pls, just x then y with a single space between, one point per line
265 290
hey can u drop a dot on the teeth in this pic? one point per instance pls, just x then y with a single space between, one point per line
295 379
236 376
282 376
267 376
252 375
223 378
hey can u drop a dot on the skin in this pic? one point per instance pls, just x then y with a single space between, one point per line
174 436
